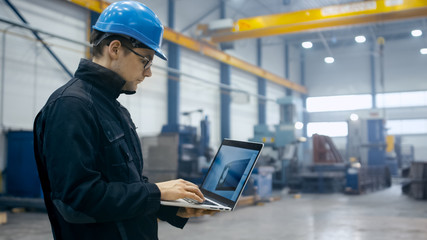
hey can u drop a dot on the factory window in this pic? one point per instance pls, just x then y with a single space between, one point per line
331 129
339 103
412 126
402 99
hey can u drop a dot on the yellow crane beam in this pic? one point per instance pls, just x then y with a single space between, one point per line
205 49
364 12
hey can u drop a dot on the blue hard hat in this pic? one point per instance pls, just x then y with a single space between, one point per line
133 19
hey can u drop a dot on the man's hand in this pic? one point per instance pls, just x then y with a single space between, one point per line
175 189
194 212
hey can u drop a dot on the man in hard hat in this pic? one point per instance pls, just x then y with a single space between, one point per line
87 150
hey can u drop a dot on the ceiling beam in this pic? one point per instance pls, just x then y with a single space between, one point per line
206 49
364 12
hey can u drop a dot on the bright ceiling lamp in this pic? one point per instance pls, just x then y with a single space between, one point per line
423 50
307 44
299 125
329 60
360 39
354 117
416 33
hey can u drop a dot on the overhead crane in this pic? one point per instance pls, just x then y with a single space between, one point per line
343 15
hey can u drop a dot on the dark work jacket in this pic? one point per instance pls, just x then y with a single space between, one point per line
90 163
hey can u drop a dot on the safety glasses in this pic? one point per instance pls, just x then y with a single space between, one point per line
145 61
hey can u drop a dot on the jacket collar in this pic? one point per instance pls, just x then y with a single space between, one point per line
103 78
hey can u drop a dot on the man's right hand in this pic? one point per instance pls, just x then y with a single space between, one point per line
175 189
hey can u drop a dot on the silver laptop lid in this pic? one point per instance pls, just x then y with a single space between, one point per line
230 171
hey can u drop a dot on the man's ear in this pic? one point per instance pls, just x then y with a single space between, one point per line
113 49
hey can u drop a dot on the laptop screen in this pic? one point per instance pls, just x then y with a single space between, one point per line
230 169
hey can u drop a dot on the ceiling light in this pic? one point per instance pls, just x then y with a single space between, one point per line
423 50
416 33
360 39
329 59
299 125
354 117
307 44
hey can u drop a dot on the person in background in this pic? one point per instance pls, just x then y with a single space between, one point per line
87 151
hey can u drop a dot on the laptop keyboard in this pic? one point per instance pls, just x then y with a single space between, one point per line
206 202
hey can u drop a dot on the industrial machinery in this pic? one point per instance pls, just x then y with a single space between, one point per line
193 149
22 179
22 183
415 183
281 143
399 156
327 172
366 146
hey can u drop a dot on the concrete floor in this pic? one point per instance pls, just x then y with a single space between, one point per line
386 214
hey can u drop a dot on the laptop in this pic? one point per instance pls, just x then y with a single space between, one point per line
226 178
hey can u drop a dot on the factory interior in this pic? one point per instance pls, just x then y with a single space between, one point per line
335 90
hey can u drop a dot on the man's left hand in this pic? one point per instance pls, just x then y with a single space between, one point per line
194 212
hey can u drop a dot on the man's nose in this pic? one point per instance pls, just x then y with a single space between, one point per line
147 72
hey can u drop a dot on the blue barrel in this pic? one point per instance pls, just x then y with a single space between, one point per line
22 179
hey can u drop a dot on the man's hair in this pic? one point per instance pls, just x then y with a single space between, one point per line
99 41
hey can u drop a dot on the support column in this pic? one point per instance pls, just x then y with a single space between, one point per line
225 101
373 73
262 87
173 85
305 117
287 70
225 74
174 52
